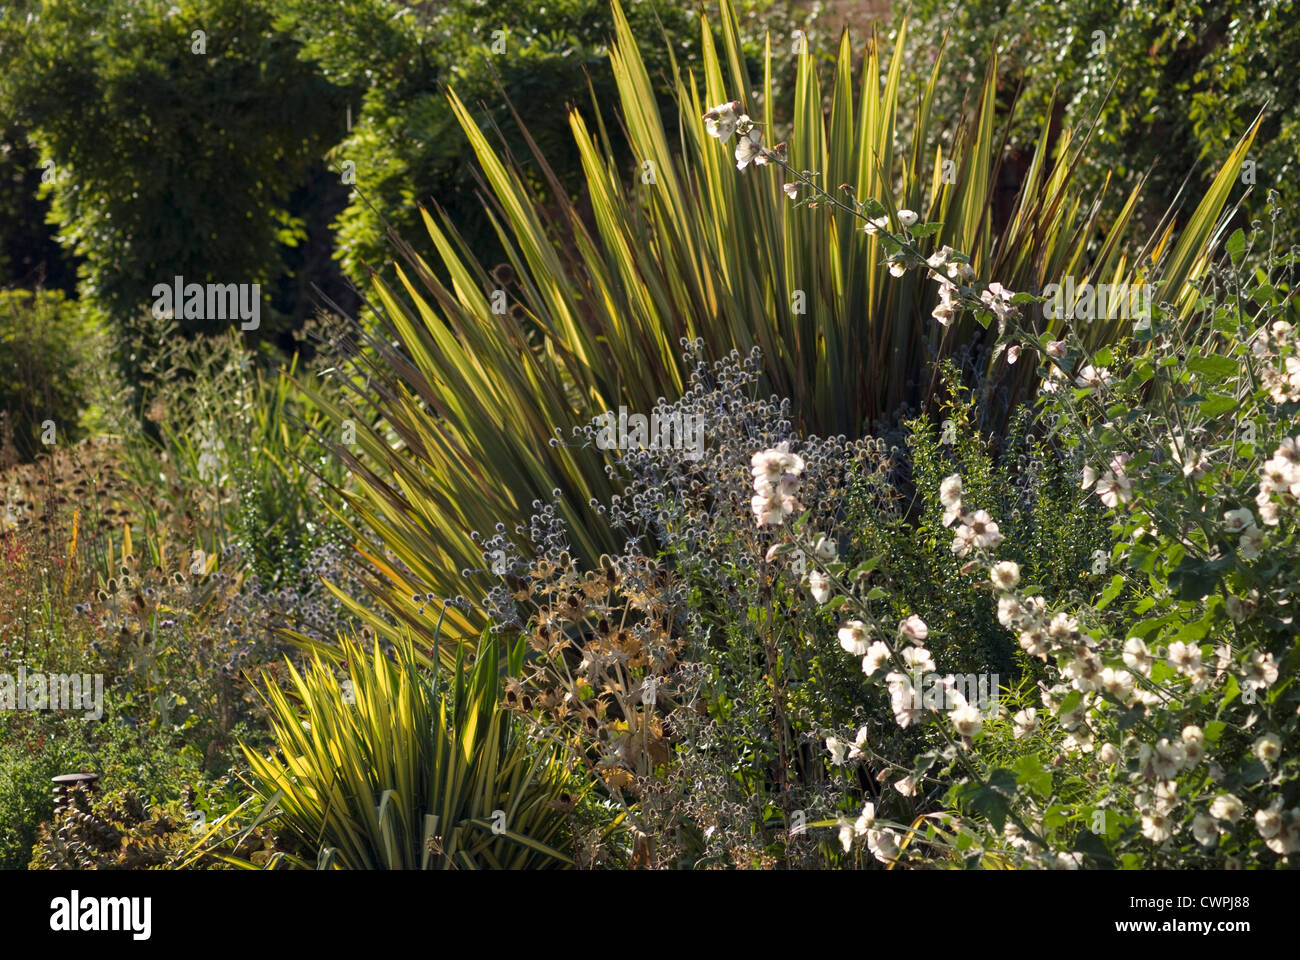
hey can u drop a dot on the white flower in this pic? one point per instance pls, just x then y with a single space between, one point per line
1184 657
967 720
1205 830
950 491
769 467
1237 520
1248 547
857 751
865 819
1268 821
918 659
1193 744
960 270
897 268
937 259
1063 627
1167 759
907 217
838 749
1005 575
791 190
876 657
876 225
1118 683
1156 827
1056 349
906 786
846 834
1227 807
902 697
721 121
946 308
914 629
1114 489
1091 376
1136 655
1009 611
979 531
773 509
1024 723
882 845
824 549
1261 671
1108 753
749 146
820 586
854 637
998 299
1089 477
1268 747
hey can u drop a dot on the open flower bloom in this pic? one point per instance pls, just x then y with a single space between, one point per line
876 225
721 121
855 638
998 299
907 217
820 586
1114 489
749 145
1091 376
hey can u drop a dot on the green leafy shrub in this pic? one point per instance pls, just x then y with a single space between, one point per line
49 349
1173 84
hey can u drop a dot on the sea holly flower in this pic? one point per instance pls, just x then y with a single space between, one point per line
721 121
